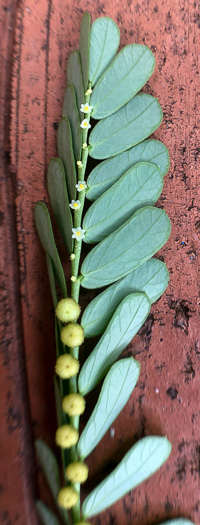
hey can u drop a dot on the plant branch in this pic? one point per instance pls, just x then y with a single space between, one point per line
75 289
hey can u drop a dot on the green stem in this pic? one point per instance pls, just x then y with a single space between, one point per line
75 290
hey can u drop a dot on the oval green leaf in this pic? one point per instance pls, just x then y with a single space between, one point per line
70 111
57 189
127 248
60 347
142 460
140 186
116 390
109 171
66 154
104 43
45 232
74 76
127 74
46 515
51 280
151 278
125 323
49 466
130 125
84 47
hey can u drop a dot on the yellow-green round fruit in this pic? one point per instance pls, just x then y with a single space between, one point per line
67 497
66 366
77 472
72 335
66 436
68 310
73 404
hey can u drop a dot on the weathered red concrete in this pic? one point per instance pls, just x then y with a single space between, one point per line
17 469
166 399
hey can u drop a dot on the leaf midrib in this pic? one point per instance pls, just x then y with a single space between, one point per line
132 291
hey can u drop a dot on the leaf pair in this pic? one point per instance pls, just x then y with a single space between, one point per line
140 186
109 171
151 278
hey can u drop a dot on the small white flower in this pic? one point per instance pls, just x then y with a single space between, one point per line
78 233
88 92
81 185
79 164
72 256
85 108
84 146
85 124
75 205
73 278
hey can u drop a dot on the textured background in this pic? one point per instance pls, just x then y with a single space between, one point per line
36 37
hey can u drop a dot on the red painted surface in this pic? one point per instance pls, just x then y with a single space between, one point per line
37 36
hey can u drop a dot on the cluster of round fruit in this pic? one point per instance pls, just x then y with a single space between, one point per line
67 366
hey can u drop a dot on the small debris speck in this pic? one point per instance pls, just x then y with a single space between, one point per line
172 392
112 432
